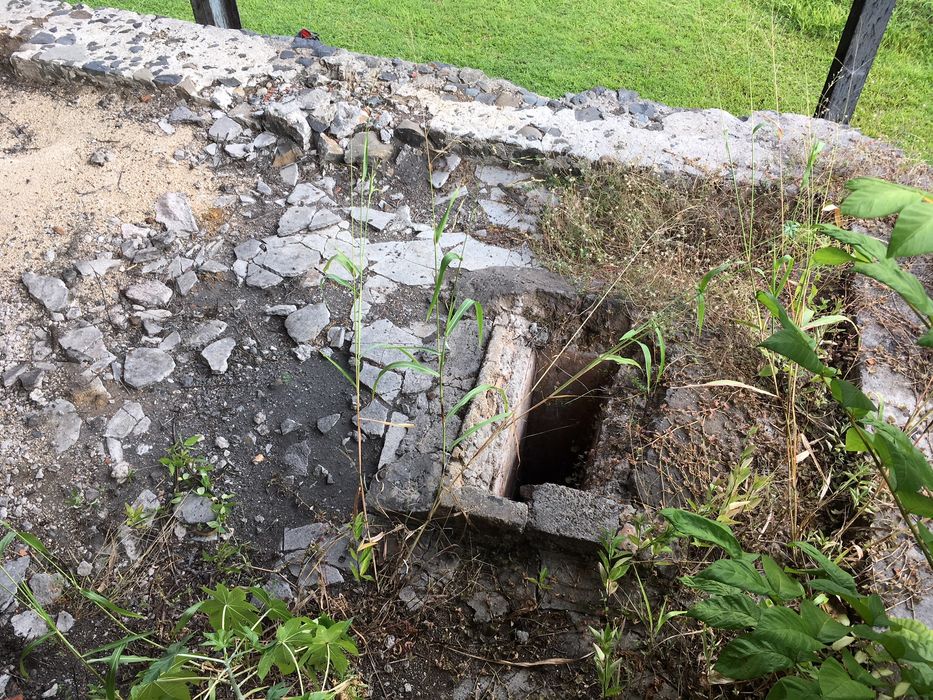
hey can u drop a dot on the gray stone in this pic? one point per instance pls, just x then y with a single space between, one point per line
372 418
494 176
327 423
287 256
51 292
289 426
100 157
305 193
174 212
11 575
300 538
183 115
260 277
84 569
12 375
205 333
64 622
287 119
149 293
145 366
280 310
296 458
185 282
306 324
289 174
379 220
63 424
410 133
129 419
28 625
224 129
195 510
346 119
96 268
488 606
366 144
217 353
328 149
47 588
385 333
296 219
85 344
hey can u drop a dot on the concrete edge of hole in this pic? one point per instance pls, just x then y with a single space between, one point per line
487 459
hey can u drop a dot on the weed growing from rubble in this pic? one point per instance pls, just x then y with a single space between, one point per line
789 623
239 642
191 474
904 469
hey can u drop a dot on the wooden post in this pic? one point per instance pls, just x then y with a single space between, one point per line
217 13
858 45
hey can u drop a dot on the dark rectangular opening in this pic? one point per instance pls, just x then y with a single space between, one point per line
561 433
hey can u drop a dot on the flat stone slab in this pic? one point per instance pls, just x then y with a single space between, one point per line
51 292
305 324
217 353
129 419
145 366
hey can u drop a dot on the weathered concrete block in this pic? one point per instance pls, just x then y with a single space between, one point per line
571 517
483 510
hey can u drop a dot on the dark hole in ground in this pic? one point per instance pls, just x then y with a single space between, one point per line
560 434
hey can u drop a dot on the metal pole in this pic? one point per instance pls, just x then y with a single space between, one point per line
217 13
855 54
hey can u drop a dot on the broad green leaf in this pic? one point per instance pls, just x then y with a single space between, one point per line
749 657
787 632
703 529
854 441
820 625
228 608
867 246
836 574
730 612
913 231
871 197
782 585
854 669
709 586
736 573
835 683
908 469
790 341
794 688
831 255
917 503
899 280
279 691
851 397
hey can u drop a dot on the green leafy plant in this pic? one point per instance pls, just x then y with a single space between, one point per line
361 549
912 235
192 473
812 627
136 517
542 580
608 664
244 644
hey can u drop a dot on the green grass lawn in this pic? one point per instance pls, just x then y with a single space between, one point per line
739 55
